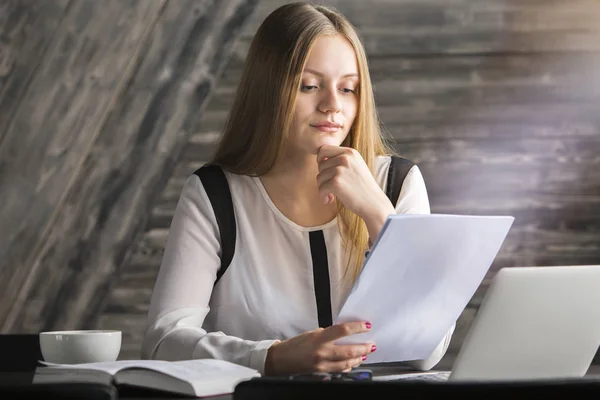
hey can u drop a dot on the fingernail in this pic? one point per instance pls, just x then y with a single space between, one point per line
364 358
373 348
368 325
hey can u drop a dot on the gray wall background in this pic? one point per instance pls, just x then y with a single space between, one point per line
97 101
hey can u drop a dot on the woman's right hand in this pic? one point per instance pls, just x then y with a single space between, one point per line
314 351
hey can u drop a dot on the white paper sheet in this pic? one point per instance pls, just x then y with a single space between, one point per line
421 273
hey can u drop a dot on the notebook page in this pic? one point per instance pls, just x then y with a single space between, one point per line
112 367
188 370
204 369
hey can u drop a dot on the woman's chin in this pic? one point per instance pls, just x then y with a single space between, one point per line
313 146
326 141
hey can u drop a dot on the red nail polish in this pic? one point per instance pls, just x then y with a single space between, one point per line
368 325
373 348
364 358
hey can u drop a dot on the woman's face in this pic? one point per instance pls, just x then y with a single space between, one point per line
327 100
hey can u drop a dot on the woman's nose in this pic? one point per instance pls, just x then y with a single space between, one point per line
330 103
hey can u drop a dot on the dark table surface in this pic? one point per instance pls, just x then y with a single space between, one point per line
387 369
19 355
379 370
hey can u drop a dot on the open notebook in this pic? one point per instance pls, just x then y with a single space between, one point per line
198 378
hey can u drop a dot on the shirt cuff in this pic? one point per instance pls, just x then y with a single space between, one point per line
258 355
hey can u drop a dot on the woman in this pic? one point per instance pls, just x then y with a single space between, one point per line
305 163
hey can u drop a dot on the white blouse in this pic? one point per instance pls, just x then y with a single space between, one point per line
267 293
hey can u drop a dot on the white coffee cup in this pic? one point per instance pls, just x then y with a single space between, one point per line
83 346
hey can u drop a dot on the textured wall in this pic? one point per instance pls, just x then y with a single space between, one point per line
97 100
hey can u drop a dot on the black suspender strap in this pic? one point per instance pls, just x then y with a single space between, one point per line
318 252
398 170
215 183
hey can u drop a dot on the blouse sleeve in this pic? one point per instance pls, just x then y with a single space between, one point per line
180 300
413 199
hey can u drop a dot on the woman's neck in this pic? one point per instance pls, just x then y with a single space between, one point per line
292 187
298 176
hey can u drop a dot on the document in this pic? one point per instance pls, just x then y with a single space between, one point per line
421 273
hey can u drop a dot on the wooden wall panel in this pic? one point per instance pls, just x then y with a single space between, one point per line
392 28
94 138
26 28
56 122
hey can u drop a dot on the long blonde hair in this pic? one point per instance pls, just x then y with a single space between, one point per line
258 124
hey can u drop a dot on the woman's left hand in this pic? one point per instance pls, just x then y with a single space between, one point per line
344 174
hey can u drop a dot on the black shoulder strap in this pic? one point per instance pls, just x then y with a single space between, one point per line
399 168
215 183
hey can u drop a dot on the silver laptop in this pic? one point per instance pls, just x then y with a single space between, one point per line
534 323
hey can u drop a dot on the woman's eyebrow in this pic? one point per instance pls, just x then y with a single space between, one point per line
312 71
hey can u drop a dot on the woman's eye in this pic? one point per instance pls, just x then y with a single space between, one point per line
307 88
347 91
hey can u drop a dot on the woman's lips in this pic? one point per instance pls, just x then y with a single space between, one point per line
324 128
327 127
